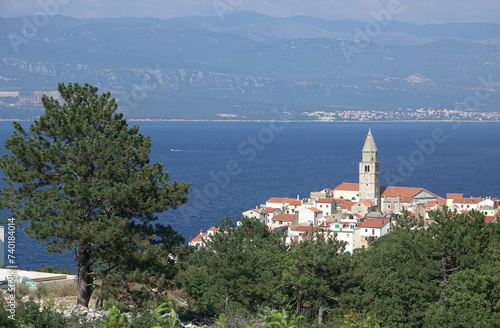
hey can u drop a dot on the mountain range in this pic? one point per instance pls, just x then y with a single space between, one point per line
247 65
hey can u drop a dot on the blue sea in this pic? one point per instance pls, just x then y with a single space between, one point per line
235 166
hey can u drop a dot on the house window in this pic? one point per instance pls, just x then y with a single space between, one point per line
326 213
281 222
366 230
321 206
373 231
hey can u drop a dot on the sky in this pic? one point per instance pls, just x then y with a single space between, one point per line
408 11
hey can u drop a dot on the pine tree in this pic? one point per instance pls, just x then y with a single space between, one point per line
83 181
315 271
239 267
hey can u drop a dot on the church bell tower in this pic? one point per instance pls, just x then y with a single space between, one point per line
369 172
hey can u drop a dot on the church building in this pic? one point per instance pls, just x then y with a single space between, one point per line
368 194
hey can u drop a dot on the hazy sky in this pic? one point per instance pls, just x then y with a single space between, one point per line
410 11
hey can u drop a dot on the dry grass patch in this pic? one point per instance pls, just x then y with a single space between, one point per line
59 296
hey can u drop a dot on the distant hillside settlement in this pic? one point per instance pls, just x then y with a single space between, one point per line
357 213
14 98
421 114
30 104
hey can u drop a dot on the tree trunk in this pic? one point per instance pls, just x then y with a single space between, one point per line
299 303
446 282
85 280
99 303
226 289
321 308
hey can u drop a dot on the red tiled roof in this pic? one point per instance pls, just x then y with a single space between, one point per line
285 217
268 210
348 186
212 229
348 205
325 200
263 210
489 219
285 200
440 202
314 209
389 191
403 192
471 200
340 200
368 203
303 228
406 200
430 204
199 237
374 223
454 196
296 202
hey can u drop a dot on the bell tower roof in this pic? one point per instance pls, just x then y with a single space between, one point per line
369 145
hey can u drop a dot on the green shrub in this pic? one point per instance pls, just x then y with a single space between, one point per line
52 269
29 314
165 316
143 319
5 321
121 307
282 320
115 319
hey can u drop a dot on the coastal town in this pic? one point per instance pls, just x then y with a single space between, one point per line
15 100
357 213
420 114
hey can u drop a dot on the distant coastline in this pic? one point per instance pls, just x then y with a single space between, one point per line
267 121
310 121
